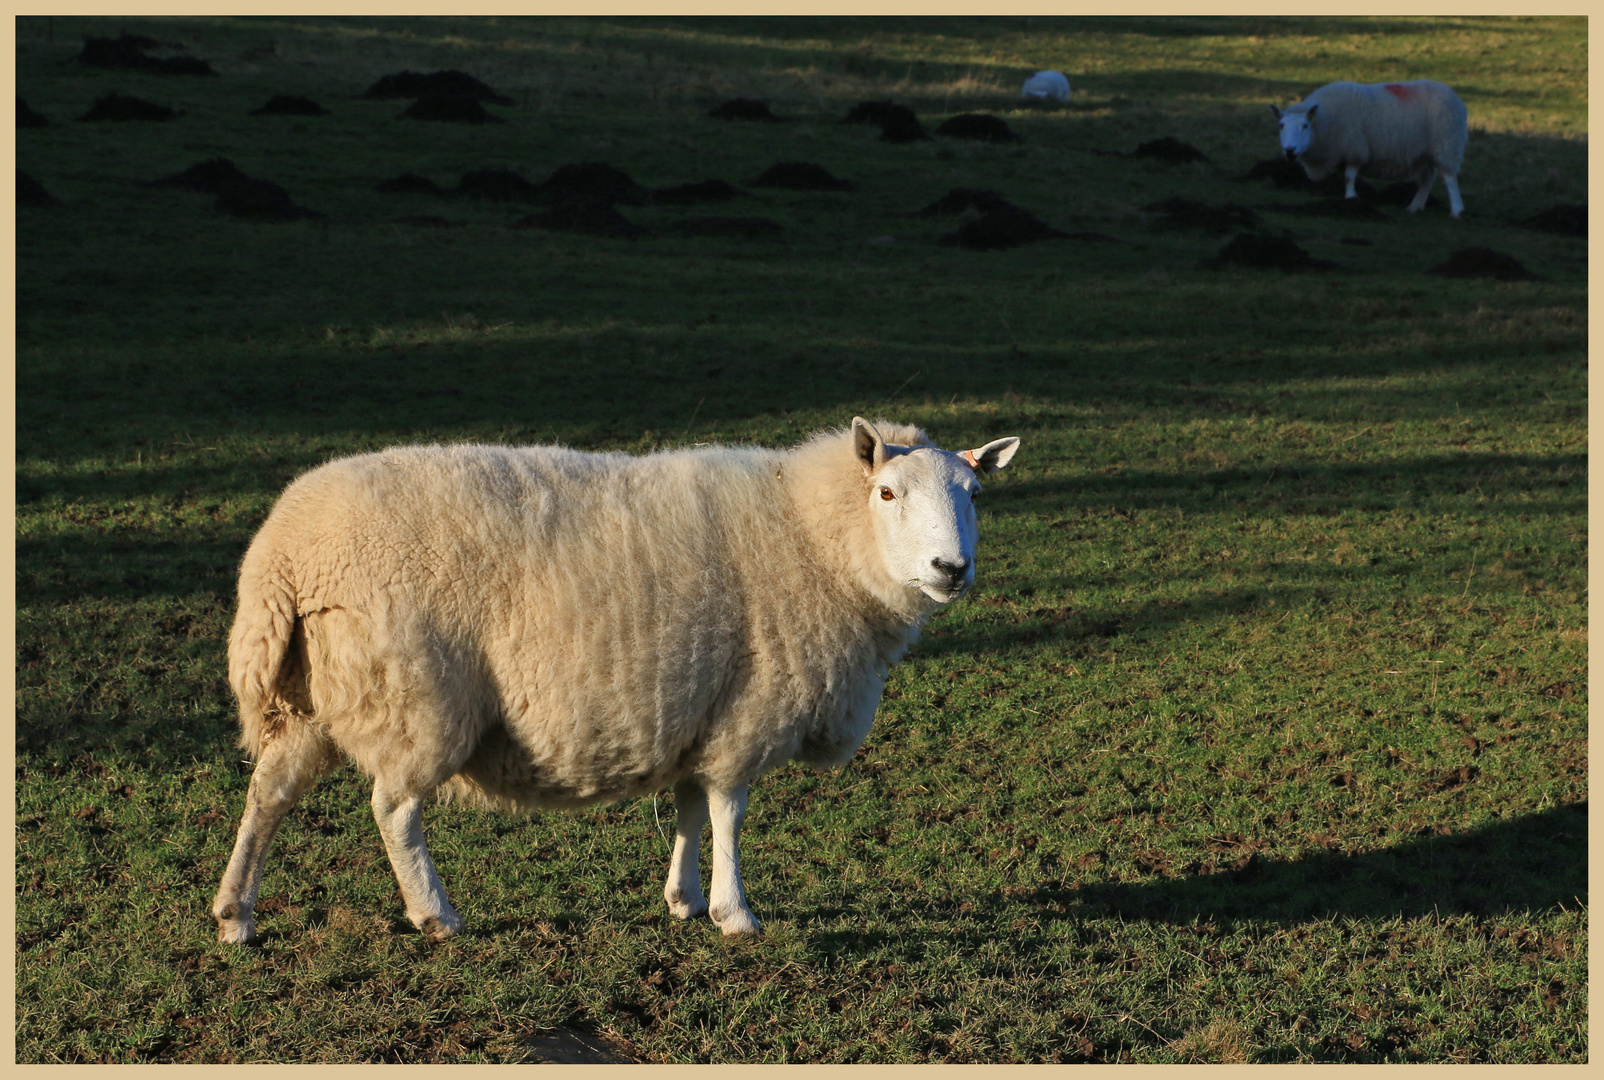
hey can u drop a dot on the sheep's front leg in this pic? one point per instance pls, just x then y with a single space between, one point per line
1350 174
684 888
1455 203
400 819
1423 192
729 910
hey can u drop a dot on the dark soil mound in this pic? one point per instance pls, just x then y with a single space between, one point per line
742 109
1566 219
26 117
429 221
1002 228
128 51
451 108
1169 150
590 181
746 227
1480 262
981 126
903 130
897 123
409 184
1356 209
1289 174
703 191
874 112
498 185
1280 171
179 65
414 84
31 192
958 200
583 216
1266 253
212 176
260 200
123 107
290 105
801 176
1355 241
1182 213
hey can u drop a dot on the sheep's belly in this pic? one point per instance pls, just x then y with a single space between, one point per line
503 772
1396 170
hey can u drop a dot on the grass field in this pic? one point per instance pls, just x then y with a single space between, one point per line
1262 736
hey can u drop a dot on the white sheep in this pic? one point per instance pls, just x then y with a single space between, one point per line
1046 84
537 627
1397 131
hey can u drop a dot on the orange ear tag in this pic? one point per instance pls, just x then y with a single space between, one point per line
969 456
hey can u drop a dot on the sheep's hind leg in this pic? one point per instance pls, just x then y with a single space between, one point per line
684 889
1350 176
399 814
1423 192
286 766
729 909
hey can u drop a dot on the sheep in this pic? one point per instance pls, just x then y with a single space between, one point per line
1046 84
1395 130
532 627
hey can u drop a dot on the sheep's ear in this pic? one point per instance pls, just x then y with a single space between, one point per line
1275 112
1312 110
993 456
869 446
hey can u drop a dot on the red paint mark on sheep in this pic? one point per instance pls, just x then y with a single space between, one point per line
1398 90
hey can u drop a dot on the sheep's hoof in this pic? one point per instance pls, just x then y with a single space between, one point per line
681 908
738 922
236 931
440 927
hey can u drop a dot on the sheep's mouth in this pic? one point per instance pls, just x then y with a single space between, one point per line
1292 155
941 594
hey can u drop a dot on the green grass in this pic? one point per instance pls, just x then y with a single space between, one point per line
1261 738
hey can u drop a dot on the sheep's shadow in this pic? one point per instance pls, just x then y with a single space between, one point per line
1515 867
1531 863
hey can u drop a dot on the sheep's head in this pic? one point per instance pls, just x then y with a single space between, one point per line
922 503
1297 129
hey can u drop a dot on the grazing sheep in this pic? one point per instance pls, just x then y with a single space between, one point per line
1046 84
528 627
1396 131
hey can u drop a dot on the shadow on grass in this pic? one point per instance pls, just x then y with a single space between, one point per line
1071 626
1303 487
1530 863
1524 865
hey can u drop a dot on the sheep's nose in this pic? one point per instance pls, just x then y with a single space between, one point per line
1292 155
954 571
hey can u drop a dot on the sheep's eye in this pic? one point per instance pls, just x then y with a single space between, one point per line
885 494
975 494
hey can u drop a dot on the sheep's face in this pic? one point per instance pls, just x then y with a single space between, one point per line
922 503
1297 130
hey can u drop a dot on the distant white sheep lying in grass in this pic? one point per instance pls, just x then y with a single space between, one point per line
1395 131
530 627
1046 84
